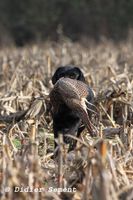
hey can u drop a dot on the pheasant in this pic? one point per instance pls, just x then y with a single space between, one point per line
70 94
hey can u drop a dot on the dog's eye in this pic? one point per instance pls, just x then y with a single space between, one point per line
72 76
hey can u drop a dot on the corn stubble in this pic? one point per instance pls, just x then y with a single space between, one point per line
100 168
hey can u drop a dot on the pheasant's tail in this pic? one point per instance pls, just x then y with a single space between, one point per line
81 109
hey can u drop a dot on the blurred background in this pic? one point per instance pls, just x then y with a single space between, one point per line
28 21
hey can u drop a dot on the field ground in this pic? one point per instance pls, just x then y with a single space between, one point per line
100 168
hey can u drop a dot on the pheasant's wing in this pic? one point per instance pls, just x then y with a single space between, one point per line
73 88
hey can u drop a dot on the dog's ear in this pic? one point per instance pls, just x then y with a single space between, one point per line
80 74
56 75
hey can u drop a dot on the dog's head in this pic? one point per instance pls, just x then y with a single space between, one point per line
68 71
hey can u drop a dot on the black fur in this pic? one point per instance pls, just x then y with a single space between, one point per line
65 121
68 71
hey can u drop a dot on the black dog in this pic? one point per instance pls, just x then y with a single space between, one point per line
65 121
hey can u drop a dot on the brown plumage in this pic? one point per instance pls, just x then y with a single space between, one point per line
74 94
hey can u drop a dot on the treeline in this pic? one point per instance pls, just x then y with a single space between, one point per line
28 20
